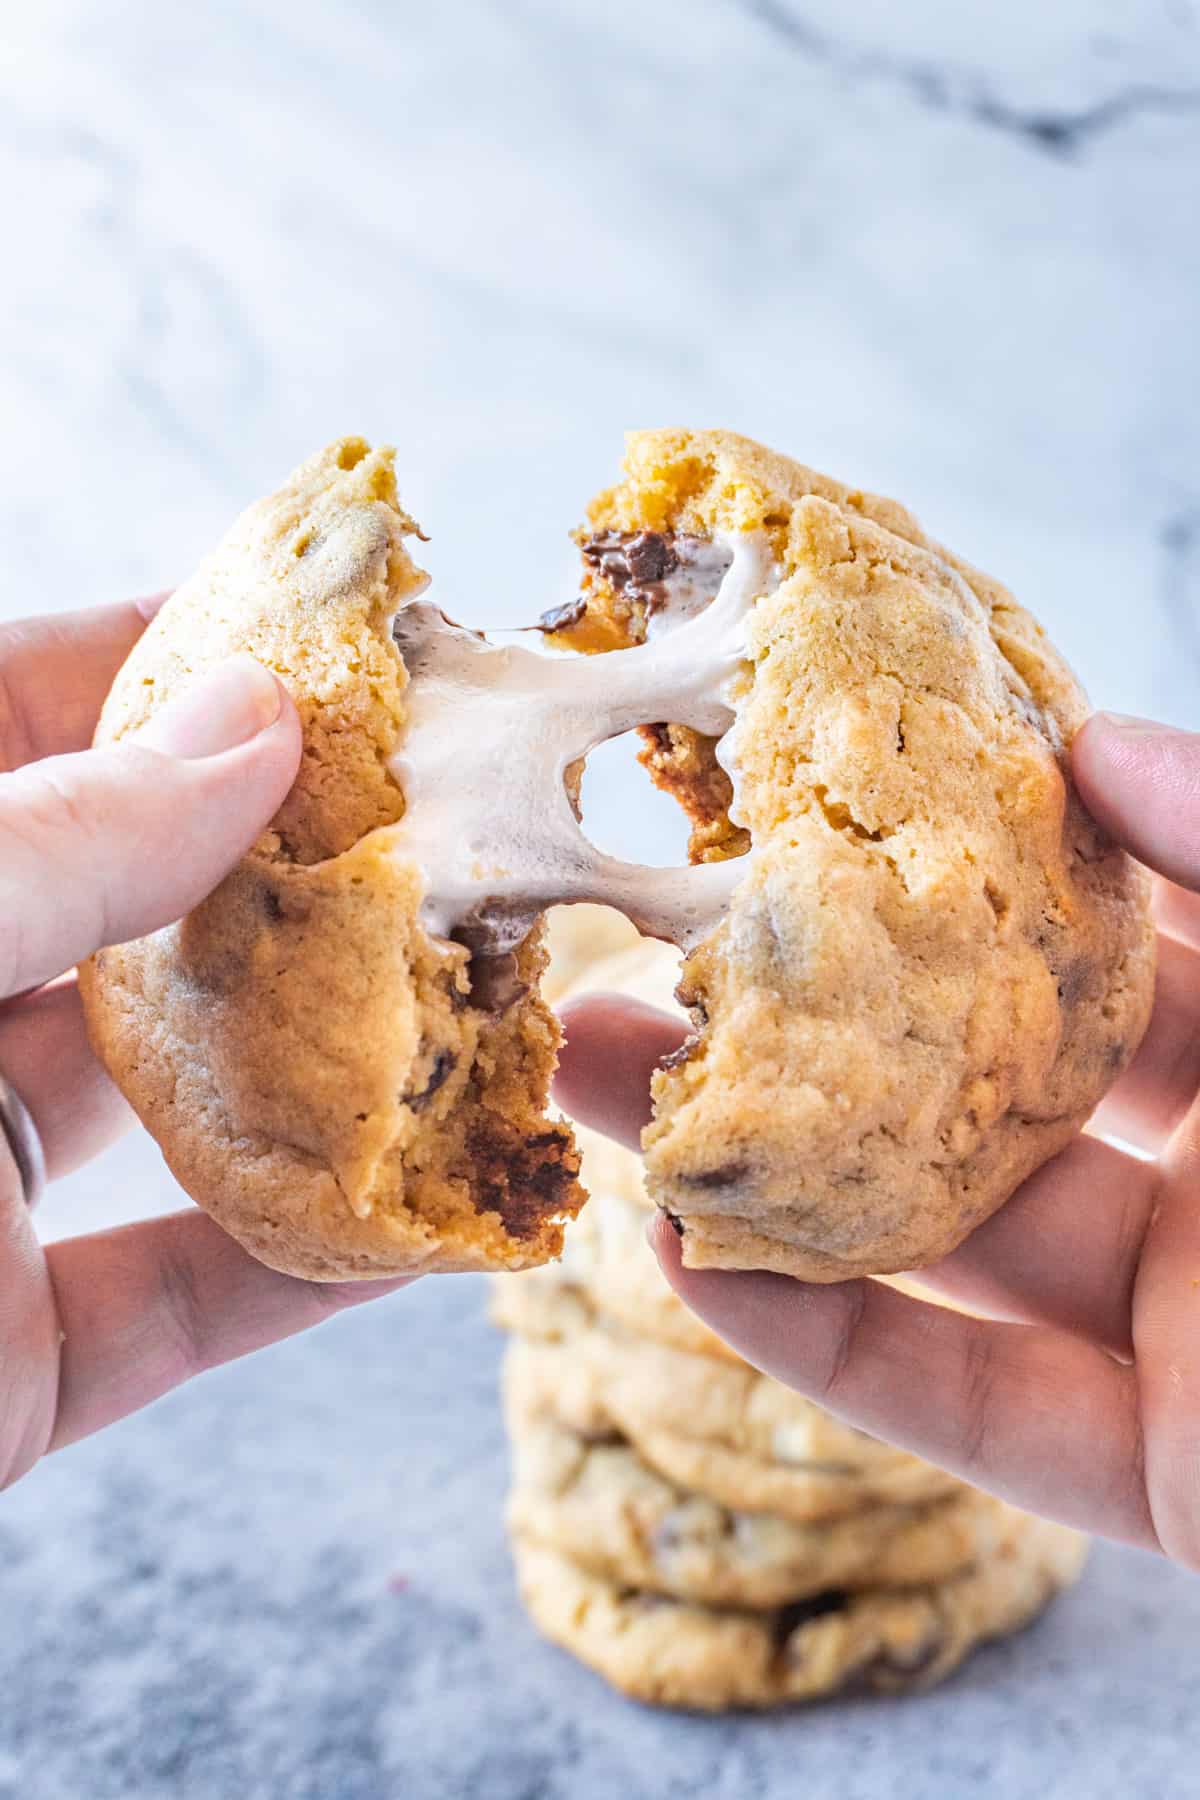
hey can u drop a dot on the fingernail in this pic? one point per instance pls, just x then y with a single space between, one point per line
150 605
217 711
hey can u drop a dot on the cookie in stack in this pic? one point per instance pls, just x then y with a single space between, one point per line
694 1531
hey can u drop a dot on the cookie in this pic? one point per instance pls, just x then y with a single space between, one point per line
324 1076
834 1470
672 1653
932 962
599 1503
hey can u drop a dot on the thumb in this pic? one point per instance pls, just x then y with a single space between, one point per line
114 842
610 1051
1141 781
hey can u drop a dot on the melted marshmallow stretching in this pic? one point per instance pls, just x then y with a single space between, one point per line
493 729
703 564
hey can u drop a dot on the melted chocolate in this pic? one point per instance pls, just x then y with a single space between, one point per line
635 564
524 1179
561 618
729 1175
443 1062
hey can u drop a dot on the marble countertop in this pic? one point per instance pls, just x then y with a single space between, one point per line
290 1582
946 252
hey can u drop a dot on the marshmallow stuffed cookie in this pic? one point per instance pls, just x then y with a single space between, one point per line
914 964
932 963
319 1072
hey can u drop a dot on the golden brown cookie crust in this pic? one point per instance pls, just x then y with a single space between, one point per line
936 963
310 1061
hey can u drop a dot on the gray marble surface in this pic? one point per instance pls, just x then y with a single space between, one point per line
290 1583
944 251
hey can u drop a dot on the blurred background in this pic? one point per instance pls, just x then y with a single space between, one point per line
946 252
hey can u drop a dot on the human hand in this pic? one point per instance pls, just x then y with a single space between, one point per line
97 846
1078 1394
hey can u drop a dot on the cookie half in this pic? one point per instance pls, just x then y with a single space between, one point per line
322 1074
933 963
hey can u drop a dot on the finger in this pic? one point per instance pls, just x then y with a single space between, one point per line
1152 1096
1141 781
1037 1416
113 843
1166 1323
45 1054
1177 912
148 1306
613 1046
1064 1250
29 1336
55 673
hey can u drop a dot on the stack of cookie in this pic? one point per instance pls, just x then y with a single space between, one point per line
698 1533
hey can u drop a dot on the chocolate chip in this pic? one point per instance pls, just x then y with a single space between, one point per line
1075 981
726 1176
492 971
631 560
636 564
650 556
674 1222
524 1179
675 1059
493 933
443 1063
561 618
802 1612
495 984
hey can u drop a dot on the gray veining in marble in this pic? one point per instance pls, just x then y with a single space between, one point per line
947 251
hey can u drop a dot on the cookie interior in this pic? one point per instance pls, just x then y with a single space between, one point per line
627 579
